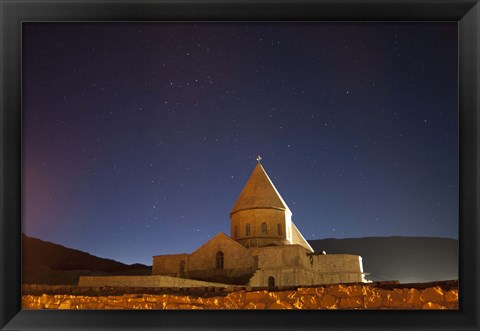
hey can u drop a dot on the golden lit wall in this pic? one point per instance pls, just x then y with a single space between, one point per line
255 217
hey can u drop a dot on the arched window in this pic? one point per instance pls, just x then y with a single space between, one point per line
264 229
271 281
235 232
279 229
219 260
247 230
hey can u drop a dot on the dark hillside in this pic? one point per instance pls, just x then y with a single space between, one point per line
48 263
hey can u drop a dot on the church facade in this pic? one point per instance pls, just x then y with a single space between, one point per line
264 248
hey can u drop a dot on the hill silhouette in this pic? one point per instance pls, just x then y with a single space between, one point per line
406 259
48 263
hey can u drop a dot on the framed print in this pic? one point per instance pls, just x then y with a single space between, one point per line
214 165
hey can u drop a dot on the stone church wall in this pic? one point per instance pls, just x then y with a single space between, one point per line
292 276
278 256
339 263
302 277
338 268
237 261
255 217
290 265
235 255
238 276
168 265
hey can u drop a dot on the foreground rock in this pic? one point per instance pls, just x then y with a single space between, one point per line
327 297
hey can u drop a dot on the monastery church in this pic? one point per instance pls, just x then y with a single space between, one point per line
264 248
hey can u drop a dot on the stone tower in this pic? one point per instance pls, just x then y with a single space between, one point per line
260 217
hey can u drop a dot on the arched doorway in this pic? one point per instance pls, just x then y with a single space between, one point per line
271 281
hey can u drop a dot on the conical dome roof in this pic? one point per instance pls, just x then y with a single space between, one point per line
259 192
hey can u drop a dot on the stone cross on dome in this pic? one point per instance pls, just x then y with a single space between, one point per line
259 158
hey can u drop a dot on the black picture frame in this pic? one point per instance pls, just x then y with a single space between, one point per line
14 12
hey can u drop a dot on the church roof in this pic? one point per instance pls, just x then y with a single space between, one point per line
259 192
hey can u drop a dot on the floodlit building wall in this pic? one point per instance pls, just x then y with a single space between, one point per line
255 217
288 264
234 255
293 265
169 265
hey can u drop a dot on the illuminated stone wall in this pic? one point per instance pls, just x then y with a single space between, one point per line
255 217
168 265
204 258
328 297
235 255
141 281
289 265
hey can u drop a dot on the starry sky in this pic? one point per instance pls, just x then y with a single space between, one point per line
139 137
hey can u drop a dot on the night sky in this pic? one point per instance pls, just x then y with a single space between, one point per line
139 137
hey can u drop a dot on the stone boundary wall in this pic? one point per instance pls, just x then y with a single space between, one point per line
143 281
340 296
39 289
